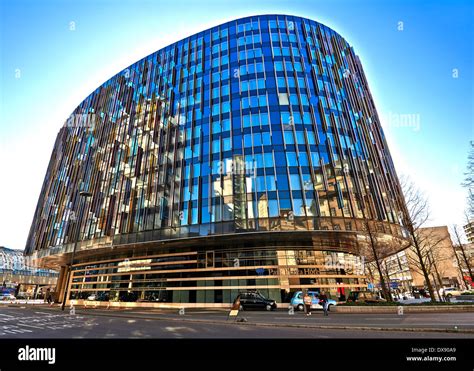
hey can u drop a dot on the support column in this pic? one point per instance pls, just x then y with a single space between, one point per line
61 285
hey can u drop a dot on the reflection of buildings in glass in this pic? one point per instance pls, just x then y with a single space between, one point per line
263 206
399 271
215 164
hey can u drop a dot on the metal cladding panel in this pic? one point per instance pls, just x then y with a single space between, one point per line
260 119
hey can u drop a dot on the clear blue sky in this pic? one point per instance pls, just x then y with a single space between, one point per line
48 65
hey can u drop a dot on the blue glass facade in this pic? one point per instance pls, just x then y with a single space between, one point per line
263 126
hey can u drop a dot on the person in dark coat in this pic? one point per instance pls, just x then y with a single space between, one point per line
49 297
323 300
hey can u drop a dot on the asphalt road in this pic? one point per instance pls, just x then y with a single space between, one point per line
47 322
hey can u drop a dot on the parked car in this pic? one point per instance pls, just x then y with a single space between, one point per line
23 295
424 293
449 292
7 296
364 297
255 300
420 293
407 295
297 301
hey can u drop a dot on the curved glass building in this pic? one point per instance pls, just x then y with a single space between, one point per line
245 157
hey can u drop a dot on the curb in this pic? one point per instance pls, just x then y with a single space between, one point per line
263 324
460 308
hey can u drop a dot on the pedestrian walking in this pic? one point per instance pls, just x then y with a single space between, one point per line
307 303
49 297
442 295
323 300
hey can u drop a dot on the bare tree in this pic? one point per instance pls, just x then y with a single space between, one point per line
375 250
386 271
468 182
463 260
370 273
424 244
424 255
437 274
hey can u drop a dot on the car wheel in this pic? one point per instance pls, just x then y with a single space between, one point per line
300 307
449 296
268 307
329 307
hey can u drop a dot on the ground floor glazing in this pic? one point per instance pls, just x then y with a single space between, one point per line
203 276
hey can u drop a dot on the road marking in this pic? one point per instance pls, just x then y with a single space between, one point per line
206 312
24 324
40 321
383 319
173 329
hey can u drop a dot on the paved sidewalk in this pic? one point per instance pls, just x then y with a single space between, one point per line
22 302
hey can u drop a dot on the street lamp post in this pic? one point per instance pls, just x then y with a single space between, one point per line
82 195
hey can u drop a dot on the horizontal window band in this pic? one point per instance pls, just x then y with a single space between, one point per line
213 269
219 279
137 257
131 263
246 287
